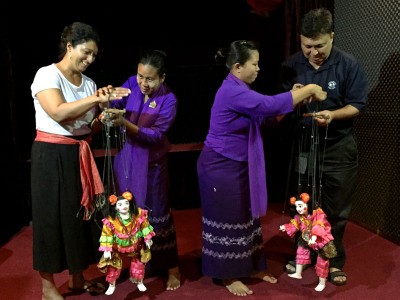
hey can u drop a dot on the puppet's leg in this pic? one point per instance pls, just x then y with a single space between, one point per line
297 274
137 270
322 270
302 258
112 276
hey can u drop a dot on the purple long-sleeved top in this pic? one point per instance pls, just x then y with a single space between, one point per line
234 131
154 118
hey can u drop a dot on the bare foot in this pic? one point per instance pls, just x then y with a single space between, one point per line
49 288
237 287
174 279
51 294
267 277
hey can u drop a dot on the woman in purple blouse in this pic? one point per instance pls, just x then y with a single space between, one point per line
231 171
141 166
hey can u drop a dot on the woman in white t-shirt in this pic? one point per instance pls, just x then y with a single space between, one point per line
64 177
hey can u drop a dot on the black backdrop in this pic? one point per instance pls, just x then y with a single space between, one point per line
190 33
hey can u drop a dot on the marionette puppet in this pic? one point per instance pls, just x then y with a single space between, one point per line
126 232
315 235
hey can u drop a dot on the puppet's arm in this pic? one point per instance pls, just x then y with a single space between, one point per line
107 236
290 228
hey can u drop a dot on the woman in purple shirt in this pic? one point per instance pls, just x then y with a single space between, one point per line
231 171
141 166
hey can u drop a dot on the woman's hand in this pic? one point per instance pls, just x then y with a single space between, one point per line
297 86
113 117
110 93
317 93
307 93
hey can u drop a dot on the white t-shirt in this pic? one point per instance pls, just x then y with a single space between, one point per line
51 77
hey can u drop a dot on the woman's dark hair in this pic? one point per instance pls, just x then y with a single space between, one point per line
77 33
316 22
239 52
156 59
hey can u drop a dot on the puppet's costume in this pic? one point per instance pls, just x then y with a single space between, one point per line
126 237
315 224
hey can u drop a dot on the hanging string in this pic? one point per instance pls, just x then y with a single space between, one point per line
122 140
314 159
310 158
321 169
317 159
111 132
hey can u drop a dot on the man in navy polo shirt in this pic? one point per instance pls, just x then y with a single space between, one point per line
326 150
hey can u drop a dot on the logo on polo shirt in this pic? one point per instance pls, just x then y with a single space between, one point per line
331 85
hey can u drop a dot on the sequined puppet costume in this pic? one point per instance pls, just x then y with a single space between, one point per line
128 232
315 235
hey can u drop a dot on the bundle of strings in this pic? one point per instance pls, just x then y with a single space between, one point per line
119 136
311 160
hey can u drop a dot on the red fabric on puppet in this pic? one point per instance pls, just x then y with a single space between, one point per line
315 235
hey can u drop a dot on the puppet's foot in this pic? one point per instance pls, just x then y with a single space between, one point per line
320 287
267 277
141 287
295 275
237 287
174 279
111 289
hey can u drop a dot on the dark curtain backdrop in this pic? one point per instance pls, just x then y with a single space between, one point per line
13 185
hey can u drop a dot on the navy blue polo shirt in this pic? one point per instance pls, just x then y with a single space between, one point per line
341 76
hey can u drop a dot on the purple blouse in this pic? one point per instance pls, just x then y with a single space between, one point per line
154 118
234 131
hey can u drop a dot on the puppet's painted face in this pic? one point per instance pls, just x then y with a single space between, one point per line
301 208
122 206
